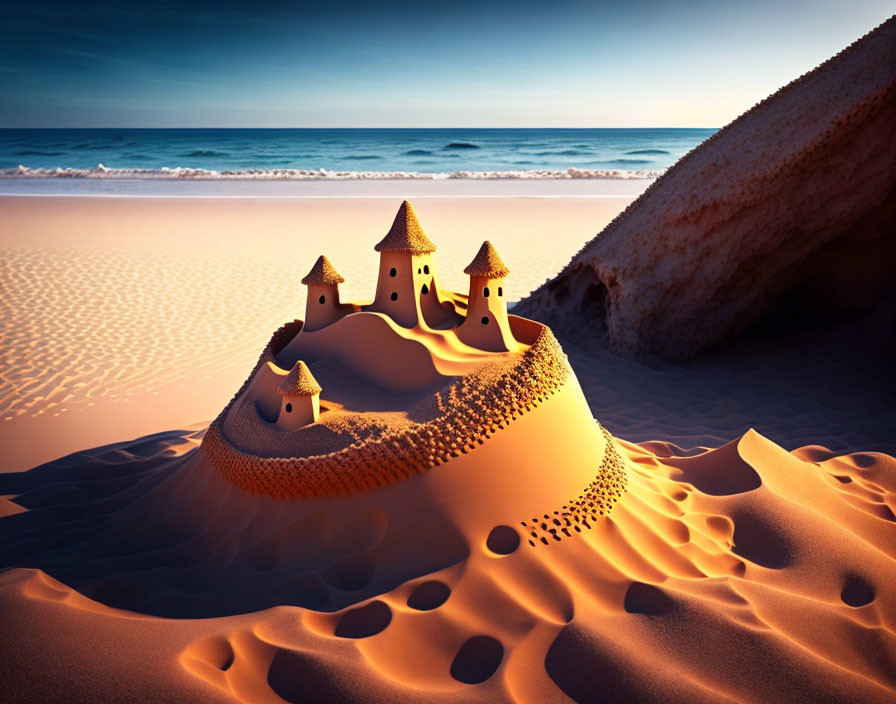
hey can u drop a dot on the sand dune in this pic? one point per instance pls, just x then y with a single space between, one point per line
785 216
744 573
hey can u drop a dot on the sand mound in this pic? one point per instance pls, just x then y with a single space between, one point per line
469 411
466 368
786 215
750 573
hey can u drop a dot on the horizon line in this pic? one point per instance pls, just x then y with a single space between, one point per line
119 127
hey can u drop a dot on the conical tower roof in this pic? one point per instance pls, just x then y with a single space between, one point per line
406 234
323 272
487 263
299 382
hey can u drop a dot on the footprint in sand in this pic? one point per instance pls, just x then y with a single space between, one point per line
477 660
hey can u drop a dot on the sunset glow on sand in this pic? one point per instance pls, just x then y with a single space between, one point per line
469 353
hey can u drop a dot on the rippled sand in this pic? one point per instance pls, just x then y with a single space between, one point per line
742 574
125 316
749 572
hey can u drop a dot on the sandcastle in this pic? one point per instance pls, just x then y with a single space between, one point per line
361 395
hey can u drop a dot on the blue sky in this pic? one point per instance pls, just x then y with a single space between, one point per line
453 64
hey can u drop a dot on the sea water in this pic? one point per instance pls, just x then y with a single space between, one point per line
230 161
342 153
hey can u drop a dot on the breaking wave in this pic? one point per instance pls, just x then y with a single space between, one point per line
181 172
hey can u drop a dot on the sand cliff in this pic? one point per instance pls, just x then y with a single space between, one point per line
788 215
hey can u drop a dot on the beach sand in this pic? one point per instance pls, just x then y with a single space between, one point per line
732 568
743 574
726 531
128 316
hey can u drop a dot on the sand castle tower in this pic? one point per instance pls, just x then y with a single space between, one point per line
486 326
300 392
322 306
407 290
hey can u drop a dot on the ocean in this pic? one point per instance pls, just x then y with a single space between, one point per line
343 153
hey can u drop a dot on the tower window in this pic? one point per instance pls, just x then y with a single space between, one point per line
500 291
289 408
392 272
485 320
426 268
394 296
425 289
485 292
322 299
418 269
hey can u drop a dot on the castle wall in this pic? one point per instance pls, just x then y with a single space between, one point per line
435 306
322 307
474 408
396 296
416 286
297 411
486 326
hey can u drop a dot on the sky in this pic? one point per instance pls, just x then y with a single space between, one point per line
455 63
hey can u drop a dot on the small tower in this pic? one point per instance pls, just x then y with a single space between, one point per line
322 305
406 286
486 326
300 405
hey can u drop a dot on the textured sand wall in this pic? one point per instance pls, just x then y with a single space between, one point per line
473 409
791 208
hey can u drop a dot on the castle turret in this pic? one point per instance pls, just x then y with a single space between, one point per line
406 289
486 326
300 404
322 305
